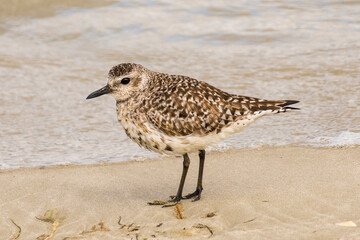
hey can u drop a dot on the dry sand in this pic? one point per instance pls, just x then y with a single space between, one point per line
267 193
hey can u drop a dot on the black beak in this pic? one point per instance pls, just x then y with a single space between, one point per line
101 91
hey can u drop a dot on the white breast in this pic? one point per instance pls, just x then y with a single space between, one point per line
148 136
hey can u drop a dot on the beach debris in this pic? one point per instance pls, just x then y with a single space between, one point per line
100 227
19 233
136 228
159 225
200 225
250 220
158 202
346 224
133 229
76 237
179 208
43 237
210 215
50 216
130 227
121 225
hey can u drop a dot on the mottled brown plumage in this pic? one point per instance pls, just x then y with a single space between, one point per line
176 114
181 106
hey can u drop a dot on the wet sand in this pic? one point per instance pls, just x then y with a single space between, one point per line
266 193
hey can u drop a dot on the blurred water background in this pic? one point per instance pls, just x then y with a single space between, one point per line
54 53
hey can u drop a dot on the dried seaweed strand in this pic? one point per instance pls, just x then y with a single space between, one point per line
250 220
204 226
178 210
17 236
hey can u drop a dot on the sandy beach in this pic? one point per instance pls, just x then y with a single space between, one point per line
265 193
67 168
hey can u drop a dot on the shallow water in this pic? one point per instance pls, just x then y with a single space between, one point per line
54 53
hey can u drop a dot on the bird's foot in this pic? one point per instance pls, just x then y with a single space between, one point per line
174 200
196 195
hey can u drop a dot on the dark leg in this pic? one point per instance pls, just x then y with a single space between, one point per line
178 197
186 164
199 187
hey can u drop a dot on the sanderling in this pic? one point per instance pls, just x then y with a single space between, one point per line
176 114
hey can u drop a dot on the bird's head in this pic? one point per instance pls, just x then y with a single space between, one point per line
123 81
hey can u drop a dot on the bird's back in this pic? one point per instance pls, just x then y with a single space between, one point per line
182 106
179 114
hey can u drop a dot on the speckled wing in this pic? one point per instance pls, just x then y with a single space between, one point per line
186 106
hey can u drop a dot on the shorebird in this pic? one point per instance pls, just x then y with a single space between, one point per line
176 114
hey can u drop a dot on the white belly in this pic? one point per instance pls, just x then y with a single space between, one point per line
149 137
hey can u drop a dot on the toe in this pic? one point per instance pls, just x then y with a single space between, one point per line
197 198
195 194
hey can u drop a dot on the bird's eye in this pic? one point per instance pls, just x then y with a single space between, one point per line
125 81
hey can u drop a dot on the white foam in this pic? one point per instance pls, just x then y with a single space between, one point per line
345 138
220 147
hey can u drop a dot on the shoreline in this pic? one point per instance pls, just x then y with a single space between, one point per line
164 157
269 192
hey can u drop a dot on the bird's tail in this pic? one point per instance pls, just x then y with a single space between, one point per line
284 106
257 105
272 106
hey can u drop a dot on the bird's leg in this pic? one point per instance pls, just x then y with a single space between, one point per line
186 164
178 197
199 188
